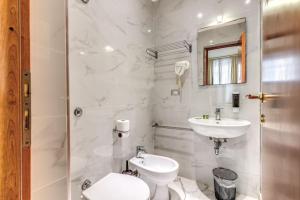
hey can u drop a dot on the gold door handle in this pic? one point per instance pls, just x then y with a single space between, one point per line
263 97
250 96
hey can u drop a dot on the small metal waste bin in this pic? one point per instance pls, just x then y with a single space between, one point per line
225 183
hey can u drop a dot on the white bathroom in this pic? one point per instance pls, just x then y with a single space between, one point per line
148 99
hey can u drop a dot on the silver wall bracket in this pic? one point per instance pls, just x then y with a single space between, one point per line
86 184
78 112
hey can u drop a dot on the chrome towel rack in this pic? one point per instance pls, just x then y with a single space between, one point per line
156 125
170 49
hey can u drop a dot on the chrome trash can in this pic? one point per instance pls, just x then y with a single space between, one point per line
225 183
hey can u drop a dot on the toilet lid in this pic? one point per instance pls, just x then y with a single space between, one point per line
118 187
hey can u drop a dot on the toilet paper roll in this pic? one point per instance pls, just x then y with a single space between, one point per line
122 125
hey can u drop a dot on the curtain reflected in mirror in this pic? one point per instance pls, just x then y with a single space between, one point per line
224 69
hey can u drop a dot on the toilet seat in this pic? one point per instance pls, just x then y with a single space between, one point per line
118 187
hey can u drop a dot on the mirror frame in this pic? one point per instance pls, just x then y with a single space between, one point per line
241 42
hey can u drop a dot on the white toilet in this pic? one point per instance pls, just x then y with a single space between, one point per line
118 187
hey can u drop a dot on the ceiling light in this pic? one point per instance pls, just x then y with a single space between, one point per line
200 15
82 53
211 41
220 19
108 49
247 1
149 30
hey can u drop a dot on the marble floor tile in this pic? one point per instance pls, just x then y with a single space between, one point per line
187 189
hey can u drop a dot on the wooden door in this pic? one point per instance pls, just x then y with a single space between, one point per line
14 60
281 83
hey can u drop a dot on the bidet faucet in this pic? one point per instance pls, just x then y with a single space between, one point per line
218 113
140 150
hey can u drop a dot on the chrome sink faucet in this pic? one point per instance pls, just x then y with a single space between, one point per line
218 113
140 150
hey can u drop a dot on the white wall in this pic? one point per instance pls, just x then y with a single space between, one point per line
108 86
177 20
48 57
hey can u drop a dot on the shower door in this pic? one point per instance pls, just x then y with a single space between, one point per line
280 107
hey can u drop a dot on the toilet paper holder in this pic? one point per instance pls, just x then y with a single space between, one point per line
122 128
120 133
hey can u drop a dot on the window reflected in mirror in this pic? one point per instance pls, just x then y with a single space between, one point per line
223 53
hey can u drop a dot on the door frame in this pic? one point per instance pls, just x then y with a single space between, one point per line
15 160
25 67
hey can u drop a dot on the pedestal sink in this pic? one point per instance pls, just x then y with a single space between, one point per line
219 130
225 128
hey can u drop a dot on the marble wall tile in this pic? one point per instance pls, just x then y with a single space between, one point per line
109 85
48 150
124 84
177 20
49 111
52 191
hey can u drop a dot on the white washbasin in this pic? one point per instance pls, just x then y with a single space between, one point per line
158 169
225 128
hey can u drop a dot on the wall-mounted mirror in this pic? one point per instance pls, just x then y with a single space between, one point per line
222 53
